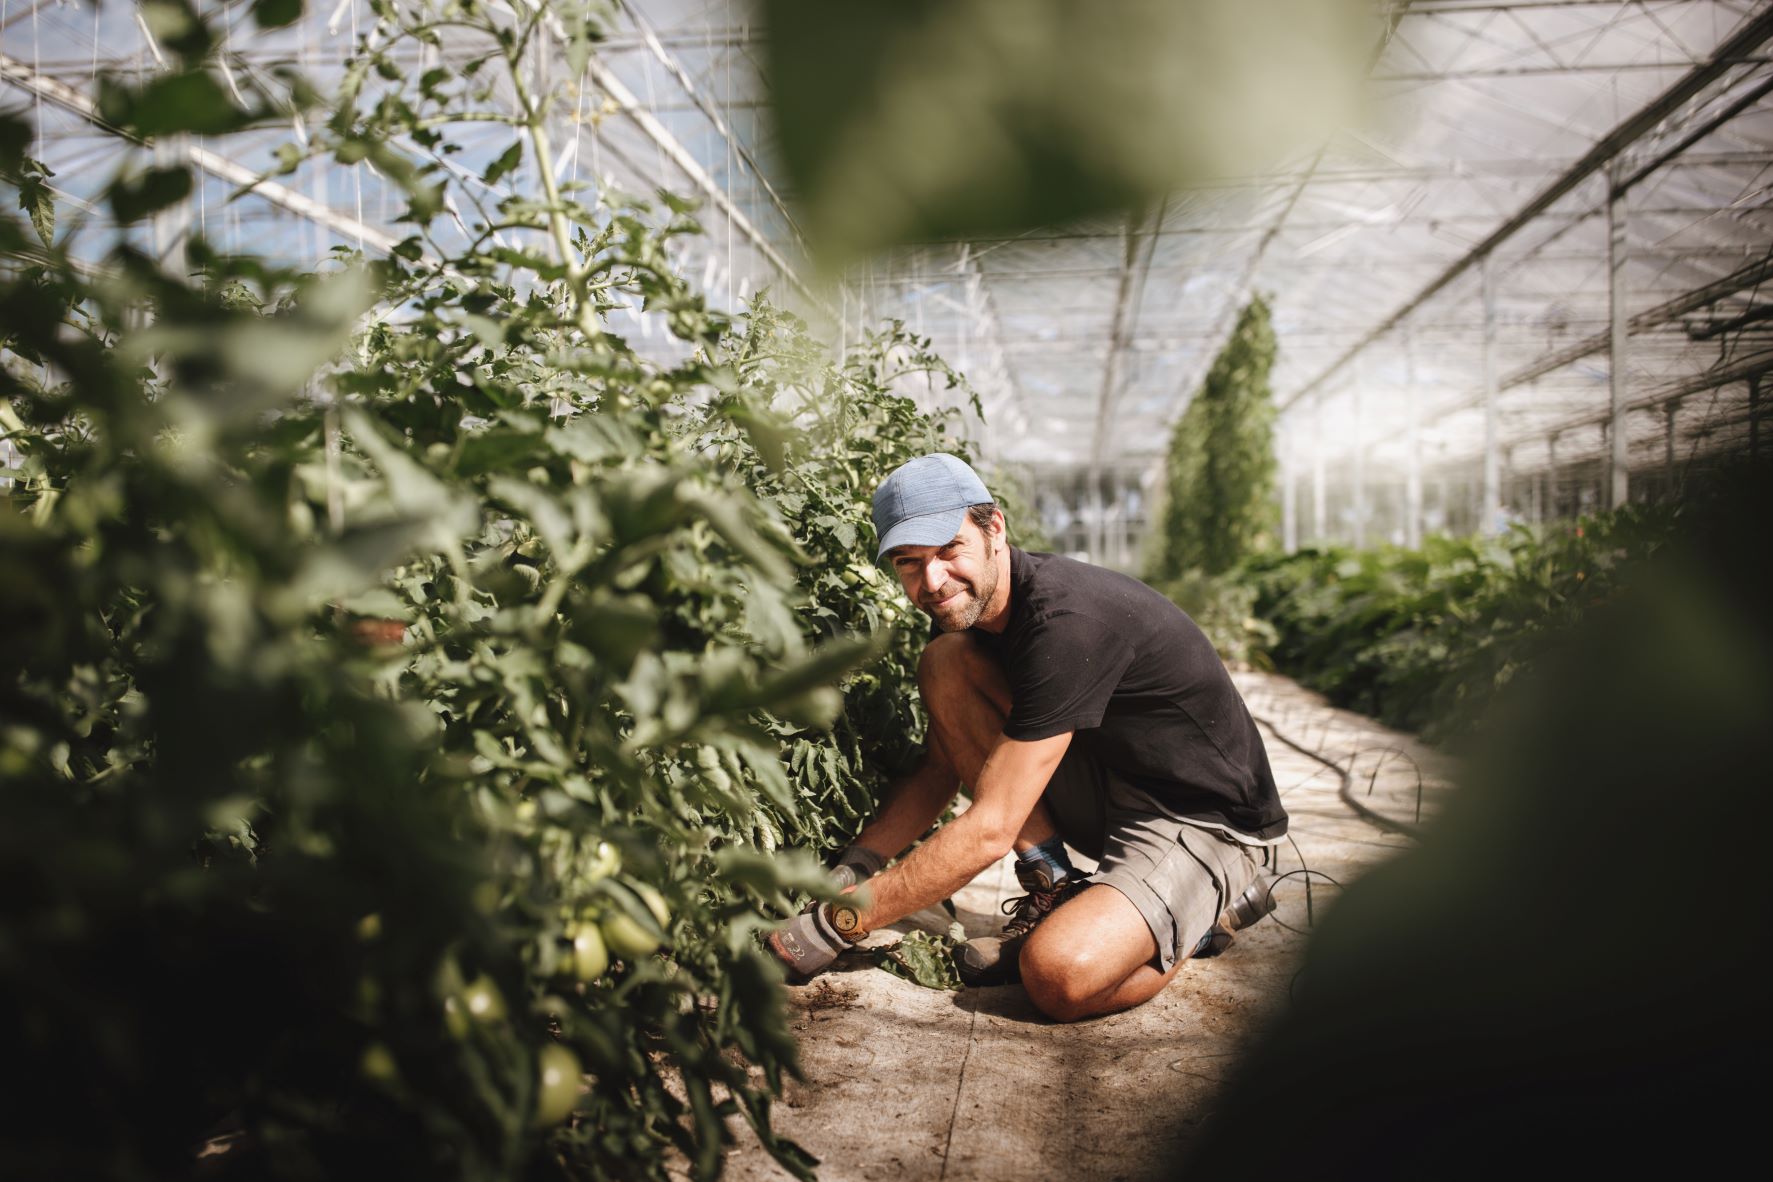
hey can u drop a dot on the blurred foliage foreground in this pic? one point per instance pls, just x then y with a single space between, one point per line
1565 972
405 682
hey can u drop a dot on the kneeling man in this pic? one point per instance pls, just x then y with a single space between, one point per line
1081 707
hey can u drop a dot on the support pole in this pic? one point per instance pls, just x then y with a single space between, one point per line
1618 489
1535 499
1360 458
1289 500
1606 429
1509 485
1413 472
1098 532
1754 418
1120 520
1490 507
1670 409
1551 474
1319 516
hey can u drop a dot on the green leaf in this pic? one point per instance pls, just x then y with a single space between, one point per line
134 198
377 603
818 671
925 959
775 874
351 564
191 102
552 523
616 628
177 27
494 451
595 438
738 533
913 122
411 488
35 199
15 141
505 164
276 14
768 434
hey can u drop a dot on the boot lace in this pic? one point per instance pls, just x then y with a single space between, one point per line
1028 910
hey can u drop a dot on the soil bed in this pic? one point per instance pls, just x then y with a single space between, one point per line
904 1081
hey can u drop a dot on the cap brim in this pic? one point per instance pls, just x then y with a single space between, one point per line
927 529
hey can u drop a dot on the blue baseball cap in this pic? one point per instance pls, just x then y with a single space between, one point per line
923 501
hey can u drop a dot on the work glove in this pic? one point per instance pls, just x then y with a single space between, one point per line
853 866
808 943
856 865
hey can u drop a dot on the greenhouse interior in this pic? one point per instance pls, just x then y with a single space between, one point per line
478 700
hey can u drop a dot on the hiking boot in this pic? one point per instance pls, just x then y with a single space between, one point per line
1246 909
996 960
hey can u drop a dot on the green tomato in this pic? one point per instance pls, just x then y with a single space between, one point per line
606 859
558 1078
483 1001
626 938
378 1063
654 901
590 956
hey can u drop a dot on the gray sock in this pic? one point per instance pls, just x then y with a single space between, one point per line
1050 856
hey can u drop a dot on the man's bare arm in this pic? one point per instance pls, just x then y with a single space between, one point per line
912 806
1014 776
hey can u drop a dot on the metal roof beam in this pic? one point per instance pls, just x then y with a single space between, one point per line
62 95
1584 70
698 176
1746 40
1751 276
1742 369
1127 297
682 77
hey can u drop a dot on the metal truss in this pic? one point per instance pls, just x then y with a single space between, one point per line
66 97
1749 38
1526 124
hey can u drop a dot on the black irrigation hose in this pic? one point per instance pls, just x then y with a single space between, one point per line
1346 790
1310 919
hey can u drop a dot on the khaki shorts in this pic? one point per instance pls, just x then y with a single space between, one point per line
1179 875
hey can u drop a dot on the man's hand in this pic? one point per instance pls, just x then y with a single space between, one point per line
808 943
856 865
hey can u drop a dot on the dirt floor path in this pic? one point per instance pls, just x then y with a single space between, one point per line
906 1082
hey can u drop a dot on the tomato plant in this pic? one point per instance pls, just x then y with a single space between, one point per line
425 693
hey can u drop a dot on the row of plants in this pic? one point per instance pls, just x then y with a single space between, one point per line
413 699
1422 639
1426 639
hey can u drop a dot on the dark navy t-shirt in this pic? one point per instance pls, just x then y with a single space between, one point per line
1097 652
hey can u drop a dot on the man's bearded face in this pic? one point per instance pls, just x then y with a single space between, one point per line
954 583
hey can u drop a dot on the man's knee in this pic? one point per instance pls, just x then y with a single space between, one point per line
957 663
1062 982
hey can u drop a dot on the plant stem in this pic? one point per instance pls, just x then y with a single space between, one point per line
541 145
